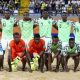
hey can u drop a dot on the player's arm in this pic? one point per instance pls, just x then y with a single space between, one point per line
35 24
77 51
58 51
9 52
55 55
73 55
54 25
16 26
0 24
72 29
24 49
42 52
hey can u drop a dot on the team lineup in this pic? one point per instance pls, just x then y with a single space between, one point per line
39 49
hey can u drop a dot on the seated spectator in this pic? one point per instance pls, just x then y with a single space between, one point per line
69 9
43 6
36 7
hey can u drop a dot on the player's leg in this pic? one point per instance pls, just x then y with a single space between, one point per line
9 63
1 61
28 59
66 58
79 55
76 62
22 56
23 64
62 62
11 56
41 63
58 61
49 61
46 61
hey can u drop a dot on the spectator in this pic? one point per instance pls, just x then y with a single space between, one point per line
43 6
17 4
37 7
53 5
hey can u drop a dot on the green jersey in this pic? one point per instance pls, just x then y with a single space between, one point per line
77 32
73 50
54 48
45 27
64 30
7 28
26 29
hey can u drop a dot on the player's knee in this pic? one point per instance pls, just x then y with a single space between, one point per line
59 56
42 56
77 58
1 57
24 60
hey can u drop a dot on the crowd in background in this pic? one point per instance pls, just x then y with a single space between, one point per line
57 6
10 5
37 6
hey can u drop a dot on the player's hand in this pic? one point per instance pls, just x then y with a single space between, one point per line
36 55
32 66
14 67
16 60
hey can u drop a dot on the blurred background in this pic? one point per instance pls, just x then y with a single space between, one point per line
37 6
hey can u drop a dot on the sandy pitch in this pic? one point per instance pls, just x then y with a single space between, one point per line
36 75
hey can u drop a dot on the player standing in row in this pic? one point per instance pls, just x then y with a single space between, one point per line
3 46
65 29
7 26
26 26
6 31
77 30
45 27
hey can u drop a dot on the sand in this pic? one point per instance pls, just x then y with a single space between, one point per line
37 75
